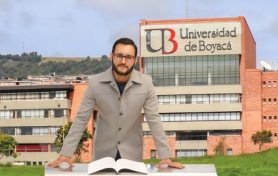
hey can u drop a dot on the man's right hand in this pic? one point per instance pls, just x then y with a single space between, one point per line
60 160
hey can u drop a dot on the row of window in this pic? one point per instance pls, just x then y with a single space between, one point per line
270 101
196 135
269 118
232 116
191 153
33 113
33 95
198 99
193 70
44 130
269 83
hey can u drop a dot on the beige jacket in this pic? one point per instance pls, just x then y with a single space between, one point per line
119 124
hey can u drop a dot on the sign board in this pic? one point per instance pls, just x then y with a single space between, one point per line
190 39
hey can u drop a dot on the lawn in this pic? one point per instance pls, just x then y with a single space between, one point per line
258 164
21 171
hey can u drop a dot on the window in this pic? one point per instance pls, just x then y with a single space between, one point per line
269 118
264 101
53 129
274 101
193 70
147 134
274 83
275 118
269 83
32 131
57 113
32 113
229 152
264 119
153 153
190 153
232 116
7 130
170 133
275 135
264 83
7 114
269 101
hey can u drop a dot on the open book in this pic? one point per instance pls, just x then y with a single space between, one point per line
108 163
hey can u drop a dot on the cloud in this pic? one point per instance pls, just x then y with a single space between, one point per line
127 8
131 31
4 37
26 19
273 27
66 18
5 4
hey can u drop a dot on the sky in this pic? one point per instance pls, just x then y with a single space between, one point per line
81 28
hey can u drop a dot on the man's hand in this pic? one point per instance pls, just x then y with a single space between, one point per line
170 163
60 160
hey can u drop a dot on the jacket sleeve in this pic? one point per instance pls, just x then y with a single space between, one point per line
80 121
155 124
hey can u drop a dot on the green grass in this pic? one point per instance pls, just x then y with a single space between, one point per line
258 164
21 170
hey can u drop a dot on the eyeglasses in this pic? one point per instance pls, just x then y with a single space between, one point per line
120 57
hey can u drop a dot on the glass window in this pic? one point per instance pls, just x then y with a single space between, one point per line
264 101
7 130
53 129
264 83
229 152
6 114
153 153
57 113
193 70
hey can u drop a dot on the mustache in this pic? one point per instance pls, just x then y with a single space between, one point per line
122 65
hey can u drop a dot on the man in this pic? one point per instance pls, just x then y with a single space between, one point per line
120 93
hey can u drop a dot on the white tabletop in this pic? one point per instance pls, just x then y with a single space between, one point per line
189 170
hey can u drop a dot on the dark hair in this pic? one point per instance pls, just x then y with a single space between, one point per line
125 41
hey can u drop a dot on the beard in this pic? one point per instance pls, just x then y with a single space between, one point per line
115 68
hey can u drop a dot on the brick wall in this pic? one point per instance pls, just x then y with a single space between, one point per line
149 145
76 97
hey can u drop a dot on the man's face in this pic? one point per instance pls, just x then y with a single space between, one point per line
123 66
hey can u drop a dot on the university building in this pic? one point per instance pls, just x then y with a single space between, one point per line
205 76
204 72
33 113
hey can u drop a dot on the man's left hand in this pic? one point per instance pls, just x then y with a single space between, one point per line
170 163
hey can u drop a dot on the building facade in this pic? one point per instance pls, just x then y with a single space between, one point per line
32 115
200 69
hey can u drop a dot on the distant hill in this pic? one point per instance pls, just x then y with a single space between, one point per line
15 66
64 59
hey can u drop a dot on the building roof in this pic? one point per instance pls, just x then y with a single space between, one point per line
35 88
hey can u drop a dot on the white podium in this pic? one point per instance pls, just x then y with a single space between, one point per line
189 170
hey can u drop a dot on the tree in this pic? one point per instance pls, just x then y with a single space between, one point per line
220 148
262 137
7 146
63 131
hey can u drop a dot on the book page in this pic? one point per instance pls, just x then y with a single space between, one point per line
131 165
101 164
